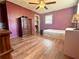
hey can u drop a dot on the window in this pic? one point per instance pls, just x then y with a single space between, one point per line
48 19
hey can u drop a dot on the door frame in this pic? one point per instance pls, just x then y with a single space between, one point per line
38 21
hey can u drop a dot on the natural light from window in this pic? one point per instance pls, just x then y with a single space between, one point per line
48 19
78 9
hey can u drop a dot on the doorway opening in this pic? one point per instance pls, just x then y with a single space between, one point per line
37 23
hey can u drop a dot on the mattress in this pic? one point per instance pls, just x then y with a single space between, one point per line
55 34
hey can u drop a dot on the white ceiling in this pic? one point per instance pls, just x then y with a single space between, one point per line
60 4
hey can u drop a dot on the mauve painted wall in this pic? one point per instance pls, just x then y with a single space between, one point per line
15 11
61 18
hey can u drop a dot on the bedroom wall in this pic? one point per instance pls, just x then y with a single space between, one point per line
14 11
61 18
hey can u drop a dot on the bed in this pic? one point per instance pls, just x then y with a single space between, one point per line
54 34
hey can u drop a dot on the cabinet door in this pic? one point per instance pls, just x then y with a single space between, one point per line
24 26
29 26
71 43
5 47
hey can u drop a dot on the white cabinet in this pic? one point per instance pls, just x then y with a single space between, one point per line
71 43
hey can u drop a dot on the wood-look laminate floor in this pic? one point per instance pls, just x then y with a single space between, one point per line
37 47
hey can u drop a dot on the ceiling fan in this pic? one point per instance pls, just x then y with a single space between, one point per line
42 4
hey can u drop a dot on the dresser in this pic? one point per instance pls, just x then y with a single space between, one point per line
5 48
71 43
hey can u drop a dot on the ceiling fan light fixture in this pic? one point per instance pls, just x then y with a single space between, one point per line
42 4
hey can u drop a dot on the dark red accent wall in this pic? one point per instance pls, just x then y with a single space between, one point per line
14 11
61 18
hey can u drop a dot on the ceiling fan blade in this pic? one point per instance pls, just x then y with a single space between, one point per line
33 3
38 7
45 7
50 2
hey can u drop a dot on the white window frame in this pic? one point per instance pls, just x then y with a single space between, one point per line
78 9
49 19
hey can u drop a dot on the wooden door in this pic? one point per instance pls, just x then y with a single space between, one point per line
24 23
